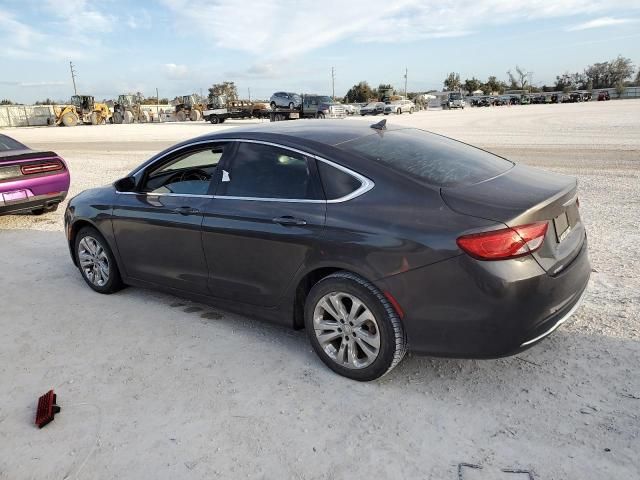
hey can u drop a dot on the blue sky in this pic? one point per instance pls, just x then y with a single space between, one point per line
183 46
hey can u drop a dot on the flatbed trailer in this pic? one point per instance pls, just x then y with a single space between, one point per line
219 115
242 109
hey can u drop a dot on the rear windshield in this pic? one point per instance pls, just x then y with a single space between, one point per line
434 159
8 143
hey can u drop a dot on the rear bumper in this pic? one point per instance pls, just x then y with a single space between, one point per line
29 203
466 308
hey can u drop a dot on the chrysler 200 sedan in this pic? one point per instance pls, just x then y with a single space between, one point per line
374 239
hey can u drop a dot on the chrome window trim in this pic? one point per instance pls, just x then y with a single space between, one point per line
365 183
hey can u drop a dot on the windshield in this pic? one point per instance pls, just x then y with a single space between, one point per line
454 96
429 157
325 99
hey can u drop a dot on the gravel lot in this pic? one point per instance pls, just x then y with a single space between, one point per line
153 386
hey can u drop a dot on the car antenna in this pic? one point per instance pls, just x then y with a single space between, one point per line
381 125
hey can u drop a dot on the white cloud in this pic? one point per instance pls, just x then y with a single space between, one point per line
279 30
601 22
73 30
22 41
139 20
80 16
33 84
175 72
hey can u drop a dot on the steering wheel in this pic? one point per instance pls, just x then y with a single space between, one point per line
195 174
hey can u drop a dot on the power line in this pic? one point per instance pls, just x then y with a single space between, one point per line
73 78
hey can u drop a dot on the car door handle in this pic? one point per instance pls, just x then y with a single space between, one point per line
288 220
186 210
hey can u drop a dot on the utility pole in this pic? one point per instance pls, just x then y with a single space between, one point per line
249 89
333 84
406 71
157 105
530 75
73 78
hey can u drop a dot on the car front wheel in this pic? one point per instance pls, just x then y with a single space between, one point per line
353 327
96 262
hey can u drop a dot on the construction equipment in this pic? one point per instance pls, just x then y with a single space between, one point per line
188 106
65 115
89 111
82 109
128 109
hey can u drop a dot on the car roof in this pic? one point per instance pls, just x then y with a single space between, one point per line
328 132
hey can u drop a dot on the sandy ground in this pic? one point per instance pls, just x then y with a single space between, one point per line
152 386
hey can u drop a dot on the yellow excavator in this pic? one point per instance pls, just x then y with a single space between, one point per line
82 109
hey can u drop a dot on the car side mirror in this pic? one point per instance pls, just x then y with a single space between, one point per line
126 184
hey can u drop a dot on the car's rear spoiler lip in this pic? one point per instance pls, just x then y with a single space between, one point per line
31 155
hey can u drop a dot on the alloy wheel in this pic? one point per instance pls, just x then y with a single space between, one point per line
94 261
347 330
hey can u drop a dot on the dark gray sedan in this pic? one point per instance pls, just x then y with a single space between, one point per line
375 239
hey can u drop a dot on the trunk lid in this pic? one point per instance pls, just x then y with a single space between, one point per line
524 195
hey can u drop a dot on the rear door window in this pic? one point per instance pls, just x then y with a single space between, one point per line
264 171
431 158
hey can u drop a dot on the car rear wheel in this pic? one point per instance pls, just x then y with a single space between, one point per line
291 106
96 262
353 327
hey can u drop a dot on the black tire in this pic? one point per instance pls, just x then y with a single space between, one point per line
214 119
273 105
320 116
114 282
291 106
393 342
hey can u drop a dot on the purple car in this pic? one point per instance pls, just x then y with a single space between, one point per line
30 181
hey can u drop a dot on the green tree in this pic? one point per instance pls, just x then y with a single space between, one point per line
6 101
607 74
620 87
46 101
518 81
154 100
360 93
452 82
620 69
571 81
471 85
492 85
228 89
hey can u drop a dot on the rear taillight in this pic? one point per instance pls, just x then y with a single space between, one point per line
41 167
505 243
